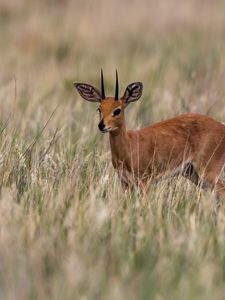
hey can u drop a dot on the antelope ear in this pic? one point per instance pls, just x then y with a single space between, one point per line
88 92
133 92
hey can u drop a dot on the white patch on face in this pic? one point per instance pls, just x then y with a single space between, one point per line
119 107
109 129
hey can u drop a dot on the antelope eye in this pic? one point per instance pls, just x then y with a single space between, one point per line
116 112
99 110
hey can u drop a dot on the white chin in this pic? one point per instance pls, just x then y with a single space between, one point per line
109 129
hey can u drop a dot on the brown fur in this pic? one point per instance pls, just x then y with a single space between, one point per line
192 145
169 148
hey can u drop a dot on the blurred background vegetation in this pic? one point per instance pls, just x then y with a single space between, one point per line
66 229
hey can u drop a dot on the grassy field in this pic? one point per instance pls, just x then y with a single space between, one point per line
67 231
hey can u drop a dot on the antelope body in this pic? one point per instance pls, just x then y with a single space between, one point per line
192 145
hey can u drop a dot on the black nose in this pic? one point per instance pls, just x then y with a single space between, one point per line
101 125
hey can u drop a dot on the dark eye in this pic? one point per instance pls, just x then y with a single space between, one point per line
98 109
116 112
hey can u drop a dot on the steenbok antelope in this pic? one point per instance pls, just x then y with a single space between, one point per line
191 144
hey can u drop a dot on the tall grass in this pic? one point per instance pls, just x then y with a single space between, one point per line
67 231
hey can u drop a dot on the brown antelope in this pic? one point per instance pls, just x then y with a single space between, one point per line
192 145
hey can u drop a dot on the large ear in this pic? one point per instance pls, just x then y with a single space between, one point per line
88 92
133 92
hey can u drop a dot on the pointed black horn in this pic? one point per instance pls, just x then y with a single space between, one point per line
102 86
117 87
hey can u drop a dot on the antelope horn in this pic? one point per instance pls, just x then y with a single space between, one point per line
117 87
102 86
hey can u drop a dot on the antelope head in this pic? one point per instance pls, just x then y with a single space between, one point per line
111 109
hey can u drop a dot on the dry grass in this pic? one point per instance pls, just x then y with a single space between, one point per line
66 229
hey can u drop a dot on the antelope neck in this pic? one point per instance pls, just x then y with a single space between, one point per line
119 142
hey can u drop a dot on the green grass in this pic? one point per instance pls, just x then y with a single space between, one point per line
67 231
